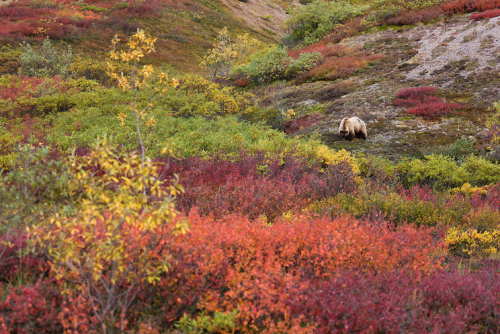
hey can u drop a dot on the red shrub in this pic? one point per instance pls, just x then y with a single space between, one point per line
466 6
336 50
30 309
256 185
13 263
145 7
491 198
423 102
346 30
415 17
304 122
14 89
65 20
263 269
485 15
242 82
444 302
16 13
415 93
24 29
22 91
433 109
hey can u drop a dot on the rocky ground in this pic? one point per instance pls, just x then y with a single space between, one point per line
459 57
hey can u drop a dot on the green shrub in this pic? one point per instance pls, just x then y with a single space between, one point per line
195 136
313 21
47 63
91 69
304 63
197 96
38 97
9 63
461 148
121 5
436 171
95 9
395 208
221 322
275 65
8 141
443 172
34 186
377 168
481 171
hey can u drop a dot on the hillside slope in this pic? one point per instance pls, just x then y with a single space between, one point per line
458 57
264 15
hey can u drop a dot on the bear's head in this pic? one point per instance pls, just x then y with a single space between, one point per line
344 128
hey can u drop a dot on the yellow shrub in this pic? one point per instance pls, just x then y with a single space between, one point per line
224 99
471 243
330 157
8 142
467 190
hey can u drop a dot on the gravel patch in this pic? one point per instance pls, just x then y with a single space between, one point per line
471 46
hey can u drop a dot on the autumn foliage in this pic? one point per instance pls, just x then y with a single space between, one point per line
255 185
65 19
422 101
107 240
265 270
339 63
485 15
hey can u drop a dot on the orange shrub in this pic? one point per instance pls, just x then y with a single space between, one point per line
221 265
339 67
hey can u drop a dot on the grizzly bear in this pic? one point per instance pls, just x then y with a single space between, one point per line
352 127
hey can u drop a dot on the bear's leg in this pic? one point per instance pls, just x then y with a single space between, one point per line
350 136
363 133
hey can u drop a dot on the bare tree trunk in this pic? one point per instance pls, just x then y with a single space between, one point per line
141 143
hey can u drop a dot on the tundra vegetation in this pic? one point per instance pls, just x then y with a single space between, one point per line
194 189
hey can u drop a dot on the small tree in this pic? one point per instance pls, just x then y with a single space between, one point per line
227 52
138 78
277 96
116 240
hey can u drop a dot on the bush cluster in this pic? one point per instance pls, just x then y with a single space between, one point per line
62 19
417 206
339 67
423 101
47 63
276 65
40 96
314 20
440 172
485 15
256 185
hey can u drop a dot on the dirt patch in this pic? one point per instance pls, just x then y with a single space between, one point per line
263 15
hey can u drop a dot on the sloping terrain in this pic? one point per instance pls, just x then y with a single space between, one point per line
459 57
262 14
162 199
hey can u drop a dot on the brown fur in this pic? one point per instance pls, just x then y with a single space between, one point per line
352 127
